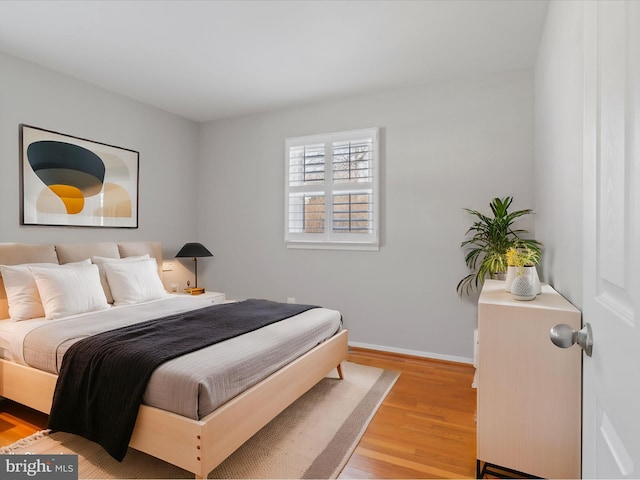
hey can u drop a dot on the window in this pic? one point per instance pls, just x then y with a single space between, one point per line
331 191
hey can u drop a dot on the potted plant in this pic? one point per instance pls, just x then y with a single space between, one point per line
520 256
522 259
491 238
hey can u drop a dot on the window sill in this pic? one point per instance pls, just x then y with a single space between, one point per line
333 246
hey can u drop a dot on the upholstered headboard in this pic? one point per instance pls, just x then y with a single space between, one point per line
18 253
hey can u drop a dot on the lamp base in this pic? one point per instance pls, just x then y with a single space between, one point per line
194 291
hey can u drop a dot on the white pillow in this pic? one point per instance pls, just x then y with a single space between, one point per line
22 292
134 282
100 261
70 290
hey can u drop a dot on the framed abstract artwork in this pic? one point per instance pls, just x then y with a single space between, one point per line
70 181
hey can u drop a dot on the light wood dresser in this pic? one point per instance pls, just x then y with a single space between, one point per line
529 390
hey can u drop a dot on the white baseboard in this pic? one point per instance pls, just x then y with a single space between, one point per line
415 353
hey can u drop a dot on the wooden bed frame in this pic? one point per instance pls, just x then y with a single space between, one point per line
197 446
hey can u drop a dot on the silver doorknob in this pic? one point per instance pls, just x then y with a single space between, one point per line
564 336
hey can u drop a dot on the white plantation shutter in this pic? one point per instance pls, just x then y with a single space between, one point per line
331 190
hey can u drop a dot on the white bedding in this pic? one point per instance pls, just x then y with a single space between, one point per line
195 384
12 333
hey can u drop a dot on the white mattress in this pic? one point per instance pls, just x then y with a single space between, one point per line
195 384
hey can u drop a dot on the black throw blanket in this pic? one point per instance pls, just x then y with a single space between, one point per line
103 377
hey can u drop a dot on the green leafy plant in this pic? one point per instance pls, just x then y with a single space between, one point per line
522 256
491 238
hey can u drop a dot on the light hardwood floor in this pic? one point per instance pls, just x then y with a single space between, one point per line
424 429
426 426
17 421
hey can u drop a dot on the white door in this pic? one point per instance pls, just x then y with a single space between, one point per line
611 303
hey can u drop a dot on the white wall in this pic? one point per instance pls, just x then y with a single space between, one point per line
167 144
558 147
446 146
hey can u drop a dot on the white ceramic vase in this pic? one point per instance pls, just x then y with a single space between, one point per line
531 272
522 288
512 272
535 279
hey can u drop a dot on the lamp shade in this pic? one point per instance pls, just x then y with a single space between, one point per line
194 250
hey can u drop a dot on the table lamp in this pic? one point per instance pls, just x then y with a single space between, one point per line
194 250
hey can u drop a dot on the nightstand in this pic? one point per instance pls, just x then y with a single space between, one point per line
215 297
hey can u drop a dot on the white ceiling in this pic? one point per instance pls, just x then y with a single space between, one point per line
206 60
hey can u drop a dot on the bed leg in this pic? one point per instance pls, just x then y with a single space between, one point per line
339 367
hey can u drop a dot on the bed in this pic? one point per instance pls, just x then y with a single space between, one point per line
187 435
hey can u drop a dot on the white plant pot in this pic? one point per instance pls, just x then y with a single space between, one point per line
531 272
512 273
522 288
535 279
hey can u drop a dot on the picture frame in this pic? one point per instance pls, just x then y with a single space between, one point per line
72 181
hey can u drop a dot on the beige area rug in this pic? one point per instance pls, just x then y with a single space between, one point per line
313 438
